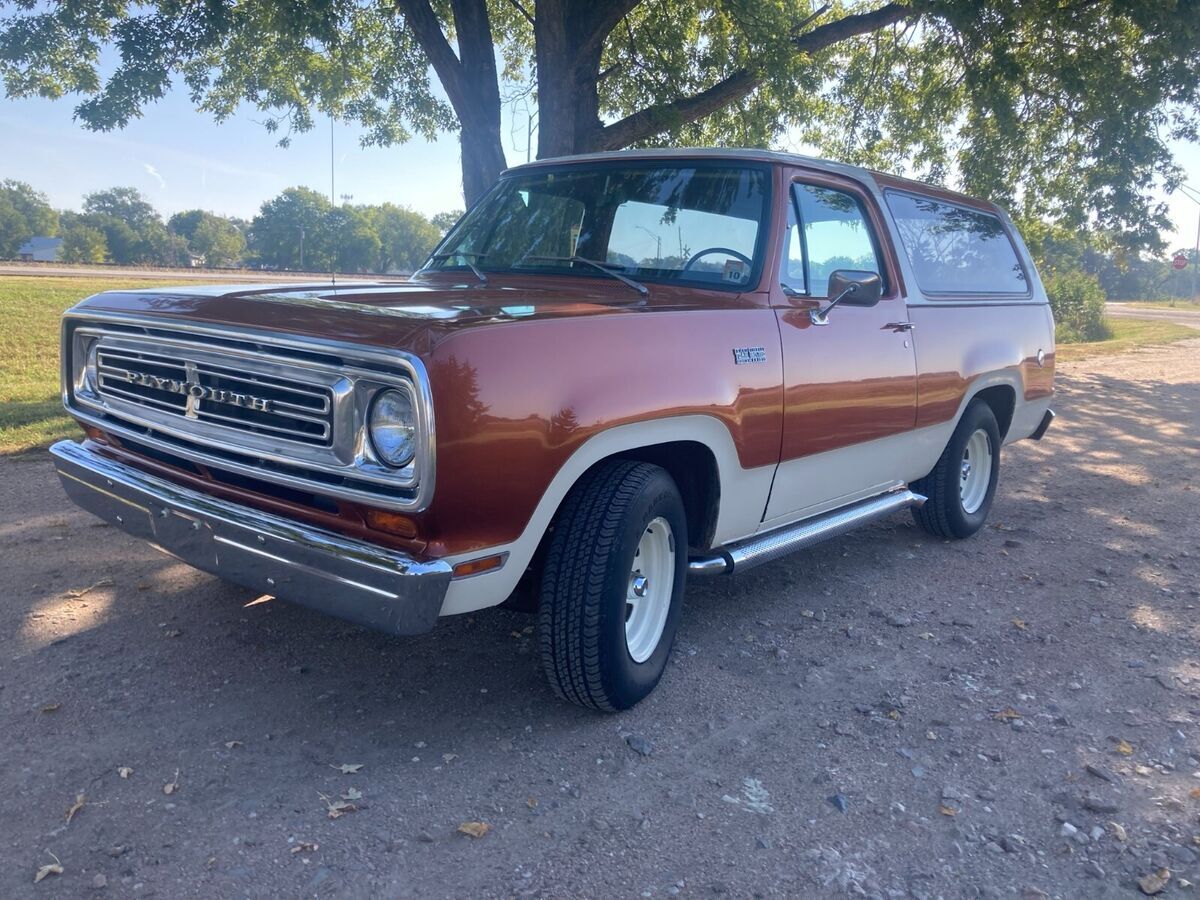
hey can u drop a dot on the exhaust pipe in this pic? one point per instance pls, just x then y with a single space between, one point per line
771 546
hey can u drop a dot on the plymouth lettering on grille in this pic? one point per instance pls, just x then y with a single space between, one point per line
195 392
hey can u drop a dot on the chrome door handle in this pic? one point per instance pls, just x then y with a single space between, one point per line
900 326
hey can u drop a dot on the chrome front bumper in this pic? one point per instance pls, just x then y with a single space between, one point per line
353 580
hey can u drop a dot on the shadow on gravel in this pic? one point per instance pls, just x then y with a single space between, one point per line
953 695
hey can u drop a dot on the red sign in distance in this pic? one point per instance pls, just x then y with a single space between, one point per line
1179 262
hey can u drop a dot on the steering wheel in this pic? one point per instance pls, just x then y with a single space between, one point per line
707 250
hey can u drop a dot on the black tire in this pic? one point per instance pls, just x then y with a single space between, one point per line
585 580
943 514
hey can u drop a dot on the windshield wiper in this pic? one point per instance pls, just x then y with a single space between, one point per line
441 257
595 264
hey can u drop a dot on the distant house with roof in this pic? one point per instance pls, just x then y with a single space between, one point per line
40 249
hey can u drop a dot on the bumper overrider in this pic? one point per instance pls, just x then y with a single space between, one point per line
361 582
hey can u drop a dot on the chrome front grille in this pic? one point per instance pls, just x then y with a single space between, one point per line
248 402
227 396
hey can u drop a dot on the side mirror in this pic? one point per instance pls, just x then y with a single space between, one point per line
852 287
861 288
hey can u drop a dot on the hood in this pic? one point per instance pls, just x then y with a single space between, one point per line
411 315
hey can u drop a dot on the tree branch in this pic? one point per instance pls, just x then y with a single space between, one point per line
734 87
662 116
428 30
599 19
852 26
520 7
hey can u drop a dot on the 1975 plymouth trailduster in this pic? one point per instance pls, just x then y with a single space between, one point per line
616 372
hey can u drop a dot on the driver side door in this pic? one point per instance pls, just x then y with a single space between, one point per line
850 386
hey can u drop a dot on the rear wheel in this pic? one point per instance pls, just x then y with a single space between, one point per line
612 586
963 483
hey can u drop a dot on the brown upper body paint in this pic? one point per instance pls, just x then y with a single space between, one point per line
526 369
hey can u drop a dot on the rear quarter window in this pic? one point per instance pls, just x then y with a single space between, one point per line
955 249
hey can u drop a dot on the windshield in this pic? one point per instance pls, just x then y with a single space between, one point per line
699 224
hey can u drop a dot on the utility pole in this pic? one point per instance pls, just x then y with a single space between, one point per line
657 239
1194 195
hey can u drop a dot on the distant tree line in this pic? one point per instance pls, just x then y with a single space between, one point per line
298 229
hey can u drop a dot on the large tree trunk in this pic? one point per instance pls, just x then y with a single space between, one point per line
482 156
471 82
569 39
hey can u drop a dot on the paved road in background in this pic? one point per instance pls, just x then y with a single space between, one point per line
886 715
1178 315
205 275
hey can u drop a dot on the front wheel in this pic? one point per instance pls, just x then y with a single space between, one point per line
962 484
612 586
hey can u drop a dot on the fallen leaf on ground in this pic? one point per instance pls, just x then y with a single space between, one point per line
172 786
532 802
347 768
1118 831
947 810
51 707
124 771
337 808
1155 882
229 745
1006 715
76 593
1124 747
352 794
80 800
172 632
894 715
474 829
449 757
306 847
54 868
1194 793
1020 624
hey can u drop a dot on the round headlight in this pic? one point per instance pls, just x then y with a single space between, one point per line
392 426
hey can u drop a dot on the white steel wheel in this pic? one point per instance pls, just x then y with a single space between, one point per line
975 475
651 584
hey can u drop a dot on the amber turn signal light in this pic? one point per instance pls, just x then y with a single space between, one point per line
392 523
479 566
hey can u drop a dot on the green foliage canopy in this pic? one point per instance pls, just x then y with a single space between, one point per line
1059 107
216 240
24 213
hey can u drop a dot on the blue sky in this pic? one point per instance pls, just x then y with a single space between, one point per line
181 159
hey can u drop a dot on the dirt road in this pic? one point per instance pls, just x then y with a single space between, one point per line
887 715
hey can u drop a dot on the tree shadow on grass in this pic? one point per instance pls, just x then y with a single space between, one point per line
29 425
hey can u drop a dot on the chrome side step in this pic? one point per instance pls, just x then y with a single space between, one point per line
765 548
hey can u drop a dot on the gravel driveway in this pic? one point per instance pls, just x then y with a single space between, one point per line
887 715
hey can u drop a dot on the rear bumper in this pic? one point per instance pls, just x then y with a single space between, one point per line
1043 425
361 582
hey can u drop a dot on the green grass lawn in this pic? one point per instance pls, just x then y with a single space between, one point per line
31 413
1126 335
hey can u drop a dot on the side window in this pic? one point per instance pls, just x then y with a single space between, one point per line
836 235
792 271
955 249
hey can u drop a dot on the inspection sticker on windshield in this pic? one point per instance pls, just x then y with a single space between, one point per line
744 355
735 271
